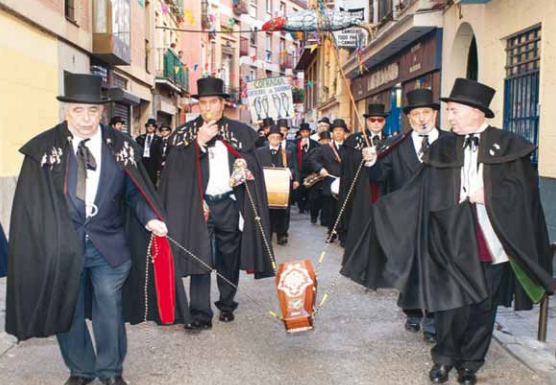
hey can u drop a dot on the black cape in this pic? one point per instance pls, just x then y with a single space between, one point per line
360 199
435 257
181 193
3 253
44 257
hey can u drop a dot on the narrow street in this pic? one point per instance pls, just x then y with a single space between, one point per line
359 339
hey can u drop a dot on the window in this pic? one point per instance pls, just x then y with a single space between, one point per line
521 86
147 53
69 9
253 36
282 8
268 6
121 20
268 46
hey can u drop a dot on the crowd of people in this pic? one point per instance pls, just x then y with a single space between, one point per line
452 220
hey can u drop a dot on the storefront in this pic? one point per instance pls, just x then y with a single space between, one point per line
416 66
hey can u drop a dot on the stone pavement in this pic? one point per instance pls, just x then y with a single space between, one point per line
358 339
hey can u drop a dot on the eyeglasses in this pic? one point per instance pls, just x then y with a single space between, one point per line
376 120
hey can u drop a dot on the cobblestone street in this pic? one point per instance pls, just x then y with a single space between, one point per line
359 339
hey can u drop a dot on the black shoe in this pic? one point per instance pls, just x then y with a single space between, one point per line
283 240
466 376
430 338
439 374
412 327
76 380
331 239
197 326
226 316
302 211
313 221
116 380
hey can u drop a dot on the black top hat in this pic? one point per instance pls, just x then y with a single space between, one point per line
275 130
472 93
165 127
325 135
420 98
151 121
324 119
340 123
304 127
82 88
115 120
375 109
210 87
268 122
282 123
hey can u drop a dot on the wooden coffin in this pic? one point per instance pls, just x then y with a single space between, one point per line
277 182
297 289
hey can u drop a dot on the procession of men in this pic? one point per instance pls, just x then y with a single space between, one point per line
432 212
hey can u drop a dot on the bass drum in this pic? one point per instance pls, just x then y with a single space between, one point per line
277 182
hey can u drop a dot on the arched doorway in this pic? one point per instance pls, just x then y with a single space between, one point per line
464 61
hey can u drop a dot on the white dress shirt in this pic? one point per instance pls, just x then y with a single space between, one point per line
94 144
219 169
418 141
147 149
471 181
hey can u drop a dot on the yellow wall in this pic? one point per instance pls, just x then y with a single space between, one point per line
28 88
492 24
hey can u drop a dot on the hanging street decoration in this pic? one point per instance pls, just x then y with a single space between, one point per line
313 20
270 98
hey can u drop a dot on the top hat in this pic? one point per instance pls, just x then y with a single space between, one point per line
151 121
82 88
420 98
275 130
165 127
282 123
116 120
324 119
472 93
210 86
304 127
268 122
375 109
339 123
325 135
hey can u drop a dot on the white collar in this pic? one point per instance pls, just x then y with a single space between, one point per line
480 130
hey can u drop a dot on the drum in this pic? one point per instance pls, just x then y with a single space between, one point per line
277 182
296 283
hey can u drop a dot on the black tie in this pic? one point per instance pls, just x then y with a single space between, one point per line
85 161
472 142
424 144
376 140
274 151
149 139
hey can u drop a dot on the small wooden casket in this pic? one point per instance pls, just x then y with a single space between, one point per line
277 182
297 289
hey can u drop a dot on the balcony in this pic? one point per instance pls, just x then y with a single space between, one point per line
111 36
233 92
171 72
286 61
244 47
385 10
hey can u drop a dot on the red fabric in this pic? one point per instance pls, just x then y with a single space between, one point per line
163 270
299 157
164 279
484 252
375 192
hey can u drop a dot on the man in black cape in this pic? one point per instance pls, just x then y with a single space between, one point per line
82 205
363 193
204 208
150 143
474 234
271 156
304 144
327 161
398 166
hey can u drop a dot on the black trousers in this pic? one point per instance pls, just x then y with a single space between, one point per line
302 198
223 228
464 334
151 166
279 221
316 205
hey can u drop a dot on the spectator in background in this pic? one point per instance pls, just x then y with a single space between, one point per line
117 123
